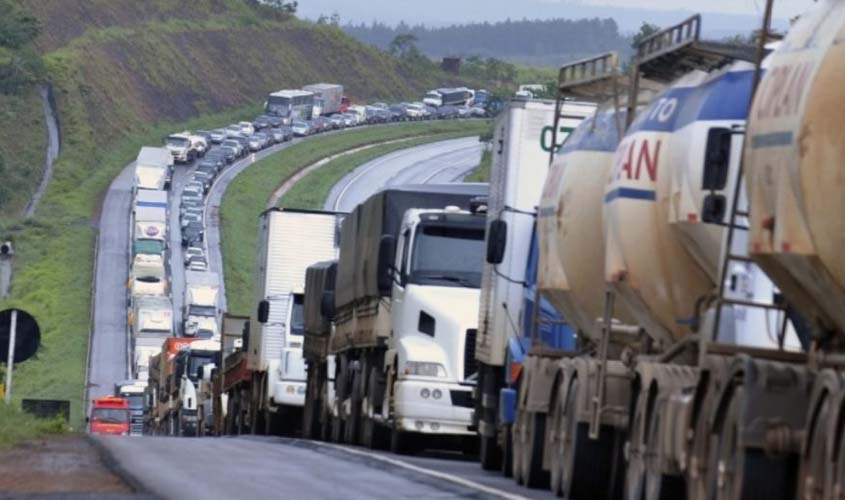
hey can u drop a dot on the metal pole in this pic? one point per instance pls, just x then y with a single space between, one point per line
10 361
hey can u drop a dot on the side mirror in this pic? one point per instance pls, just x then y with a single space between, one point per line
386 256
200 372
497 237
715 207
327 309
717 158
263 311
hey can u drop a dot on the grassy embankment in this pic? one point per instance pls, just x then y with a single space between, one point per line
16 426
248 194
482 172
126 74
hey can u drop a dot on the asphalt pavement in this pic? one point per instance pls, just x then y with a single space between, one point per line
438 162
267 467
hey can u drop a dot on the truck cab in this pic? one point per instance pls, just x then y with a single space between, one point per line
436 278
185 147
188 370
133 391
109 416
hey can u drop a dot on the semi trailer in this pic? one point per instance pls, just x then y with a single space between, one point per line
265 381
525 138
409 263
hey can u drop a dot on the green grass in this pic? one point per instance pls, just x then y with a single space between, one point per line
23 140
482 171
247 196
16 426
311 192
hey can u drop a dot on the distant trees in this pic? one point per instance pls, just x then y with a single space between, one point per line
646 30
549 42
490 69
403 46
283 5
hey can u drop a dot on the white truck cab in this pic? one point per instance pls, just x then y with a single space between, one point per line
434 316
185 147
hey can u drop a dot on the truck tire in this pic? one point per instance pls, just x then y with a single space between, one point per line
353 422
337 429
516 446
507 452
401 442
490 454
590 466
533 475
311 410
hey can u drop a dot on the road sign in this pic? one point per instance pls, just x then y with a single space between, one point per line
28 337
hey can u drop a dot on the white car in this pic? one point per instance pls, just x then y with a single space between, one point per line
198 264
247 128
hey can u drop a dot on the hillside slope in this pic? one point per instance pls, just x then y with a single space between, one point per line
125 73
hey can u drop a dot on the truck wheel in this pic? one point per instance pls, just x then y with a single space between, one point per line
371 432
401 442
311 410
516 446
490 455
507 453
531 434
337 429
353 423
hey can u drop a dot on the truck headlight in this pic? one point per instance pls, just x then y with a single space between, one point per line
424 369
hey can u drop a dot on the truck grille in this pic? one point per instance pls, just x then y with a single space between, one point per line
470 365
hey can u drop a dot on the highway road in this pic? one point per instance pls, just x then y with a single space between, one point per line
439 162
271 467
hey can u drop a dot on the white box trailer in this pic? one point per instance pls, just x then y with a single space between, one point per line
327 97
516 181
153 169
289 242
151 316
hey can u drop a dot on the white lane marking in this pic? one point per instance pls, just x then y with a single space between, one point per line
428 472
447 167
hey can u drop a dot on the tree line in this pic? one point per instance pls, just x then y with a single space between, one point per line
557 40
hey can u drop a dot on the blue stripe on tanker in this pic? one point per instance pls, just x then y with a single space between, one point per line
631 194
723 98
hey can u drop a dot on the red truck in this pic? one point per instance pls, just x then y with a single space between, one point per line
110 415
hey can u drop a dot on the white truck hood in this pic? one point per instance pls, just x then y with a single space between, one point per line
454 309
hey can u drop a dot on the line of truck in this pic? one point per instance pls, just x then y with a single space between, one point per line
643 305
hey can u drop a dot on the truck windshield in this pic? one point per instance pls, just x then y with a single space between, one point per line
195 310
135 400
110 415
178 142
447 256
297 315
278 105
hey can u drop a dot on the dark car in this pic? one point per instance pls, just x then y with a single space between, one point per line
399 111
205 134
216 159
192 234
230 152
447 112
205 177
287 132
275 121
322 124
225 154
210 165
244 142
261 123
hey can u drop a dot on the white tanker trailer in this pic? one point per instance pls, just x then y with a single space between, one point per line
688 382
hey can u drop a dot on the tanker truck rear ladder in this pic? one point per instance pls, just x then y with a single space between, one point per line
659 59
739 211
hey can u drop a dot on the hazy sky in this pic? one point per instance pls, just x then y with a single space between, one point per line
442 12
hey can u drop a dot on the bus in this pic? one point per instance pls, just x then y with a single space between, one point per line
290 105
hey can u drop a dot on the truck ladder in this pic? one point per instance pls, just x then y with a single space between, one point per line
738 220
675 51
